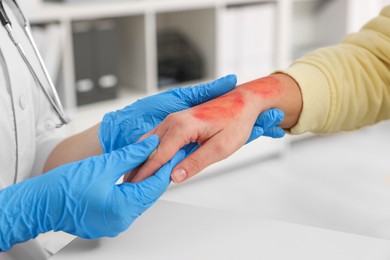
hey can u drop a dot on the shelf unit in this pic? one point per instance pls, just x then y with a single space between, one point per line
138 24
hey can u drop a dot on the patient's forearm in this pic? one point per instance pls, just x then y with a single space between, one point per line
276 91
221 126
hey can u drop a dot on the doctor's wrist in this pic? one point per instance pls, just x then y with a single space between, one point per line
75 148
22 216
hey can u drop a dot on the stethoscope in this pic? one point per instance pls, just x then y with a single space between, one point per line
53 99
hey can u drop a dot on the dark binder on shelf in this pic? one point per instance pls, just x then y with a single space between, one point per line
83 59
96 59
107 58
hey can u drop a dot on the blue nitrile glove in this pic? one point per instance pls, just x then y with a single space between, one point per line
82 198
267 125
126 126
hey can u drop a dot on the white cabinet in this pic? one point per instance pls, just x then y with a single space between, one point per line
246 40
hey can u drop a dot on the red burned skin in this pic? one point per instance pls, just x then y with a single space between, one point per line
266 87
226 106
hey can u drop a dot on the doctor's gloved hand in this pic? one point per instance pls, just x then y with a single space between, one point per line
128 125
220 127
82 198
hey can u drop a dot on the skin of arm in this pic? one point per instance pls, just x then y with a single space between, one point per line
221 126
75 148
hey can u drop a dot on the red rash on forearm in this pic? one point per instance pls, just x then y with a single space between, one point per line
227 106
265 87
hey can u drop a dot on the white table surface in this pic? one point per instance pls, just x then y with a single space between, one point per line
176 231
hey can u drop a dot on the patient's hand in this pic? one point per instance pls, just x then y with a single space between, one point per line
220 126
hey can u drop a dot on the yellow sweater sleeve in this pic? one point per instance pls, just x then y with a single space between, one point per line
346 86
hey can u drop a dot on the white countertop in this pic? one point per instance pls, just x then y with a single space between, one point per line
176 231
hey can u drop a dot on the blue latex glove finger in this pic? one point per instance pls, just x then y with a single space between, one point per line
275 132
270 118
127 125
266 125
153 187
199 94
80 198
129 157
257 132
271 128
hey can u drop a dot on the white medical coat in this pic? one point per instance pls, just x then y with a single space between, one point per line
26 138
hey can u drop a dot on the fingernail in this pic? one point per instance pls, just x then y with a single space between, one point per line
179 175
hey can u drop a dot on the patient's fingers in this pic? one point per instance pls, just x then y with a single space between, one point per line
172 139
215 149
